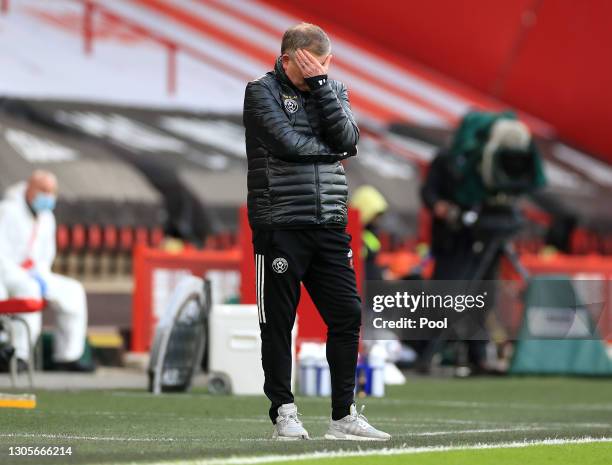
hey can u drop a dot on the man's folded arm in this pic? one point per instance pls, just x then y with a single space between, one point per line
338 123
263 115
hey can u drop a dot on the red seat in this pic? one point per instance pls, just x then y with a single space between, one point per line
94 237
126 238
11 306
110 237
142 236
157 236
77 240
63 237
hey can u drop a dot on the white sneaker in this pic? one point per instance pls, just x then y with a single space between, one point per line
288 426
355 427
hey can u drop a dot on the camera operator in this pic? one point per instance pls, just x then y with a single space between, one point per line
471 191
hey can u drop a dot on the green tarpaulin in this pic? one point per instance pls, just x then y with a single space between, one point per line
558 336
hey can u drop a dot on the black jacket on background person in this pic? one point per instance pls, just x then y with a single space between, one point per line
439 185
294 142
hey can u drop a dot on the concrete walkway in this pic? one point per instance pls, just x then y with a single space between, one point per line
103 378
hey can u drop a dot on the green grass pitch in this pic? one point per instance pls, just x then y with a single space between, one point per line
136 427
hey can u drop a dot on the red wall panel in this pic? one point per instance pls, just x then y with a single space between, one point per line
562 71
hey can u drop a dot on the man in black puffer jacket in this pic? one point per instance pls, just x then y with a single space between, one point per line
299 126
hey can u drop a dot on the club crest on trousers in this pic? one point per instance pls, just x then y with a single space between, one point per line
280 265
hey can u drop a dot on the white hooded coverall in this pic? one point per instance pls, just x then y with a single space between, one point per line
28 238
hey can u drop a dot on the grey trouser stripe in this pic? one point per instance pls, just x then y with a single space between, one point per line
259 283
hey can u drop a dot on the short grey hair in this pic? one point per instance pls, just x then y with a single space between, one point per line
308 36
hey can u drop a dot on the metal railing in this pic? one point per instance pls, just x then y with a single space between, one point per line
92 9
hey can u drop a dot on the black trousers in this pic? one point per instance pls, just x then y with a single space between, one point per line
321 259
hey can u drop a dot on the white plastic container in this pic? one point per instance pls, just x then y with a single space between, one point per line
235 348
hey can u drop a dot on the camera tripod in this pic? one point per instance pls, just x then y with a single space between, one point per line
493 229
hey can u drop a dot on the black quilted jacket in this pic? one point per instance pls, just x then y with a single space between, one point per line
294 143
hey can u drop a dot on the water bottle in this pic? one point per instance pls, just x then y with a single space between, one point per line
377 359
308 369
323 375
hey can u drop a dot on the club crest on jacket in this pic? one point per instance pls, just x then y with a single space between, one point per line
290 103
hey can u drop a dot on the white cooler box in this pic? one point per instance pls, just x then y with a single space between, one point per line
234 357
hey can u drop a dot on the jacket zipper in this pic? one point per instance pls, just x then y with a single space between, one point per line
318 190
318 202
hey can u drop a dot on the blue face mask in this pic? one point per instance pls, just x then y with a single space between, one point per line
43 202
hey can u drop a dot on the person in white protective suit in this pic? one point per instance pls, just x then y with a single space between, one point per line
27 251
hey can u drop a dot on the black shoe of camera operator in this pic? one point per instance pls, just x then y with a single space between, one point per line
76 366
470 371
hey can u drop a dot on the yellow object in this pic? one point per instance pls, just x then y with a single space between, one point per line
370 242
17 401
173 245
422 249
370 203
107 339
548 251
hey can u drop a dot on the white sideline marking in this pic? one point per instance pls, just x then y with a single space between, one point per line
75 437
90 438
479 431
437 433
263 459
468 404
443 421
414 422
435 403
